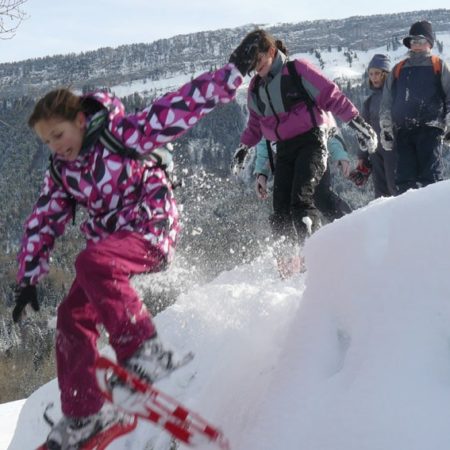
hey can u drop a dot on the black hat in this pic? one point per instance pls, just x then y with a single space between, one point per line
422 28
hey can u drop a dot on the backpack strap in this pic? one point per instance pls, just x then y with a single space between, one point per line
398 67
255 90
436 62
115 145
297 78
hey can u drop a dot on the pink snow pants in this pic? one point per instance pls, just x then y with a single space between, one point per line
101 295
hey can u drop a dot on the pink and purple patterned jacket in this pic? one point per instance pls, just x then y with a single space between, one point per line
120 193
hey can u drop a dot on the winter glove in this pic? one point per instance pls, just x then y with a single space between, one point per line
367 138
238 162
245 56
23 296
361 173
387 140
261 186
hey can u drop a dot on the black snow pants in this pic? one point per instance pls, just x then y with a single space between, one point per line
301 164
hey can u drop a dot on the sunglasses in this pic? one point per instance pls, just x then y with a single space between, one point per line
418 40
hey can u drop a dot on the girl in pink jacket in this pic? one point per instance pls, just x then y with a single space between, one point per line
131 228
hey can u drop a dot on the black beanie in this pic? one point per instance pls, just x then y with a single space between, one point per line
422 28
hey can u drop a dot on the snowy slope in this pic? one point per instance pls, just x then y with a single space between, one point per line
354 355
335 67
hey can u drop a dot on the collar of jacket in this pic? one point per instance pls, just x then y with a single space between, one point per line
277 66
419 55
95 126
375 89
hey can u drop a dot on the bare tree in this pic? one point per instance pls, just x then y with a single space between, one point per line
11 15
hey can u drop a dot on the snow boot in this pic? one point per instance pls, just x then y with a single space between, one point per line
71 432
152 362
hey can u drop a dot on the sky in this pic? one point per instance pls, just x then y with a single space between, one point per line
66 27
351 355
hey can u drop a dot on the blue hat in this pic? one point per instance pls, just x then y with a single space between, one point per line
381 62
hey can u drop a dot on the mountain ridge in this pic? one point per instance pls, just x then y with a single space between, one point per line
190 53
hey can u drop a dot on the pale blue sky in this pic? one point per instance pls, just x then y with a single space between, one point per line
60 27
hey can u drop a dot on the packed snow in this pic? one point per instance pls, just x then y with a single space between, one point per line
352 355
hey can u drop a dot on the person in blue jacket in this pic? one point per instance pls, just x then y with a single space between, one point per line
415 111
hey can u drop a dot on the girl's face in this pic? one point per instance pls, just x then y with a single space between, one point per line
264 62
376 77
63 137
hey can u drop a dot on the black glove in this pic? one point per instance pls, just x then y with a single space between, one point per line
361 173
239 156
23 296
367 138
245 56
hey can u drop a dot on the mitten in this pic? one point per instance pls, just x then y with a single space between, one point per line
261 186
24 295
237 164
245 56
361 173
367 138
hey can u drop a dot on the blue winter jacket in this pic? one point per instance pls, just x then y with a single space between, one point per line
418 97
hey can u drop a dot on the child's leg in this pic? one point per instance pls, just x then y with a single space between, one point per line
310 165
429 154
101 294
281 220
76 352
407 164
104 270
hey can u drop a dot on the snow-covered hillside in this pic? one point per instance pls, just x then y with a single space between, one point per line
336 67
353 355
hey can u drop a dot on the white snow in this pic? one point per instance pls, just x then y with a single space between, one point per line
353 355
